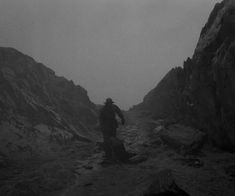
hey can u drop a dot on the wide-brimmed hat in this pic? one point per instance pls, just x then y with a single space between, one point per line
109 100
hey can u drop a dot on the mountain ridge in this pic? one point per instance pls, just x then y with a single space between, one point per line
37 106
202 92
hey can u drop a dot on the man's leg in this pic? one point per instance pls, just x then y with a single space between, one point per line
109 132
107 147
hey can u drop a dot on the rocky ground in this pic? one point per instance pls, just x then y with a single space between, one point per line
79 170
210 172
41 176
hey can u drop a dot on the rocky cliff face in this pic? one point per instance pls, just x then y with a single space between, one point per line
39 111
202 92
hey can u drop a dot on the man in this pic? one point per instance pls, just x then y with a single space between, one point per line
109 125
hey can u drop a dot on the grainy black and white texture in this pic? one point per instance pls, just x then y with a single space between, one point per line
180 138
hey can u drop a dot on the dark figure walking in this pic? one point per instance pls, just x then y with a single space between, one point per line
109 125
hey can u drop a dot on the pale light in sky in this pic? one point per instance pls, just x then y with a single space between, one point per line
113 48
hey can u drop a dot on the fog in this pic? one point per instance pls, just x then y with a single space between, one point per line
113 48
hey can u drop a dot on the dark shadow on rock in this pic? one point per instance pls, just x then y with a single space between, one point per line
164 185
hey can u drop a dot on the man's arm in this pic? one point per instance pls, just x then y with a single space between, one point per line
119 113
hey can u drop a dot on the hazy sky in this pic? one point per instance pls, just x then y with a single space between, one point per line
113 48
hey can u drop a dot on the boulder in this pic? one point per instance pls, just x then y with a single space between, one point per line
182 138
164 184
138 159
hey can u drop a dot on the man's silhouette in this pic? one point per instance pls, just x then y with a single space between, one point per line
109 125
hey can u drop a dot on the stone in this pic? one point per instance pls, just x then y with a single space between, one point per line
164 184
138 159
182 138
89 167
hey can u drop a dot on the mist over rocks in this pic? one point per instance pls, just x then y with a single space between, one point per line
39 111
202 92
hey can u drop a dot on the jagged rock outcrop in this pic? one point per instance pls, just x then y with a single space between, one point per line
39 111
202 92
164 101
